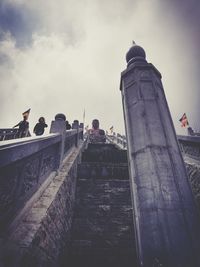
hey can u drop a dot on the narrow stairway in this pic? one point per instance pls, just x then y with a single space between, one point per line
102 229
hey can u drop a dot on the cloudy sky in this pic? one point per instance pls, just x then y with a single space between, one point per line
66 56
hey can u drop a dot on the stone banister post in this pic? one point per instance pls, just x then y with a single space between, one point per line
75 125
81 126
167 225
59 126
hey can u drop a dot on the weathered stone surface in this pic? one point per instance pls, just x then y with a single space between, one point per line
102 229
25 167
159 183
193 170
107 153
45 230
21 179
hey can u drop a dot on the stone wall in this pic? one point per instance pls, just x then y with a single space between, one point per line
44 230
193 170
25 164
23 168
190 148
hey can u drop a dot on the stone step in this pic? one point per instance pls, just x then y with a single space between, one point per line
104 153
98 170
102 231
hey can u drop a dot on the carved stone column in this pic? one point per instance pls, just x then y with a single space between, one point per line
75 125
59 126
167 224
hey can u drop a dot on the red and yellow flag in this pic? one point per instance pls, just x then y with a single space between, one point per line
184 121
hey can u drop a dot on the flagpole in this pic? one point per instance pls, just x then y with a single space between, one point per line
83 117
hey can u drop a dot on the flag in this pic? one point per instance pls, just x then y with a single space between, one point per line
26 113
111 129
184 121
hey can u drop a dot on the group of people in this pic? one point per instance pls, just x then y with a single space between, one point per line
95 134
23 130
23 125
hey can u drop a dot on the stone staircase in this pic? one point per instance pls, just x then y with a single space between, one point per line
102 230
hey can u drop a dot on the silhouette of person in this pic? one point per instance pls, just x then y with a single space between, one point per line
68 126
39 127
23 130
96 134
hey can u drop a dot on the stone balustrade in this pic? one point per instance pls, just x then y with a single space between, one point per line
117 139
8 133
25 164
190 146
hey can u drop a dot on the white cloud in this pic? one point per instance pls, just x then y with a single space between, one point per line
77 54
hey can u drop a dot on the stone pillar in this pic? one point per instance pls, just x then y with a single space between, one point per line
81 126
75 125
59 126
167 225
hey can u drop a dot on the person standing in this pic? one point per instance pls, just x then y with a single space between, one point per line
68 126
39 127
23 130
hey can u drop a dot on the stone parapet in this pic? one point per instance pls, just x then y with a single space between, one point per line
25 164
8 133
44 229
190 146
193 170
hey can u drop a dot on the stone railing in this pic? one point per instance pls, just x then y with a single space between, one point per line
190 146
26 163
117 139
7 134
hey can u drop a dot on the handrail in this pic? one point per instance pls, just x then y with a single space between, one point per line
8 133
190 146
26 163
119 140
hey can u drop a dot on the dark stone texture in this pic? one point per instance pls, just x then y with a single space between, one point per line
102 229
194 178
20 180
190 146
104 153
44 231
25 166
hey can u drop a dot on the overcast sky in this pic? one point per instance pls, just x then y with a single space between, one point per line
66 56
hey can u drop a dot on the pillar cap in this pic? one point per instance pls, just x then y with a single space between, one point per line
60 116
134 52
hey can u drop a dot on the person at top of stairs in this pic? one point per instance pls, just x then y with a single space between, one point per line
96 135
